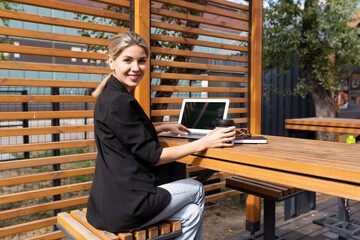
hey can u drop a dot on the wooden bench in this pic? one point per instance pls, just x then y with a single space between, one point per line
270 192
75 226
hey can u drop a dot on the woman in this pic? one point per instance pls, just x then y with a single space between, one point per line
124 194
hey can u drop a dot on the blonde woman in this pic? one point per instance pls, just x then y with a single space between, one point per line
125 194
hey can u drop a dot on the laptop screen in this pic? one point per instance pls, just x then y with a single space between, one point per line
202 114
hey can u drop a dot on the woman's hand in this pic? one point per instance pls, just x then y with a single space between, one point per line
175 128
221 137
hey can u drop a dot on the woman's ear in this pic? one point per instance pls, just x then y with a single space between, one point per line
111 62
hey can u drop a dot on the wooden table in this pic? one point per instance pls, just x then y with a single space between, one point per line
340 221
337 125
326 167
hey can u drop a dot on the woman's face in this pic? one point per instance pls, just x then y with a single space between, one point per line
129 67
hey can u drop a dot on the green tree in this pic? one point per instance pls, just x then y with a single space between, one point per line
5 22
317 33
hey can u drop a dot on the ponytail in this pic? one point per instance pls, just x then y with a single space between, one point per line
101 86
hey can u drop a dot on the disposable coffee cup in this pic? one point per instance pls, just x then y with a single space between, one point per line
224 123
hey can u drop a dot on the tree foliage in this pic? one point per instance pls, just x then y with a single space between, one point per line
5 22
318 34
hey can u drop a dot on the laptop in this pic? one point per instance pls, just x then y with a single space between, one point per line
199 116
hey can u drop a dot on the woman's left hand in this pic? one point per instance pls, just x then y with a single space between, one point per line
175 128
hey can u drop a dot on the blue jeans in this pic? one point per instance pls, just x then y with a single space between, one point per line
187 205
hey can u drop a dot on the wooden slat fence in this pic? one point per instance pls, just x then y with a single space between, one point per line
47 146
209 60
53 57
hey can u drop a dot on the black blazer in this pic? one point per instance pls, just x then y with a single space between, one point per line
124 193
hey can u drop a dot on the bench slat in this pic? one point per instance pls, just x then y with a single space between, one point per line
81 218
152 232
140 235
75 228
164 228
284 189
253 187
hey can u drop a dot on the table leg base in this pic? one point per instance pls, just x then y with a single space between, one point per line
351 231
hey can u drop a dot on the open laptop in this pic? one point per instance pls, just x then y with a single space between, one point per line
199 116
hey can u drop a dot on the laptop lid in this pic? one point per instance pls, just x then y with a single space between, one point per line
199 115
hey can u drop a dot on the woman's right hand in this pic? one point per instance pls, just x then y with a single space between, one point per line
219 137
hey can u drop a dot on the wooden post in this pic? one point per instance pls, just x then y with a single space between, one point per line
142 27
256 66
256 11
252 213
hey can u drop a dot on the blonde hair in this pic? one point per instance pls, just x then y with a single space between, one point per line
121 41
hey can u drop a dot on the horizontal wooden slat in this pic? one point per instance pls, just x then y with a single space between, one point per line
75 8
176 64
190 169
218 196
121 3
198 77
230 4
240 120
7 165
45 115
42 99
219 175
46 146
16 32
174 112
34 18
26 66
45 130
44 207
188 53
179 100
28 226
47 83
49 236
192 18
195 42
45 192
46 176
208 9
166 88
173 27
326 122
323 129
214 186
244 185
8 48
237 110
236 120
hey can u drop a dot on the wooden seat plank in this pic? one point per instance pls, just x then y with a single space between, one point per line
152 232
81 218
140 235
175 226
76 229
164 228
282 188
255 188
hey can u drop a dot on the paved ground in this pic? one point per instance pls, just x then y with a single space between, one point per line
226 221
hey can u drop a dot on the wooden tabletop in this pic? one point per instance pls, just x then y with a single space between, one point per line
326 167
334 122
339 125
